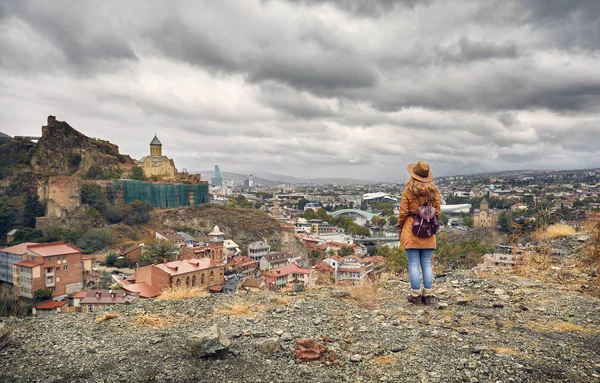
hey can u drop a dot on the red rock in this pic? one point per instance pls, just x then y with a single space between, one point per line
308 350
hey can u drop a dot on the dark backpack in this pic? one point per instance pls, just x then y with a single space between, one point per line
425 223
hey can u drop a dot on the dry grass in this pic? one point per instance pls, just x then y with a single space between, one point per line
557 230
367 294
238 308
505 351
106 317
280 300
182 292
151 320
384 360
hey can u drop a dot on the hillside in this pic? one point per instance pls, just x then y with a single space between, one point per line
244 226
490 327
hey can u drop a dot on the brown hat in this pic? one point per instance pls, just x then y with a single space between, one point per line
420 171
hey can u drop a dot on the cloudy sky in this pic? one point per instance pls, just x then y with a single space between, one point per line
349 88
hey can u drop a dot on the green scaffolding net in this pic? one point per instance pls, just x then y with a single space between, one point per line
162 196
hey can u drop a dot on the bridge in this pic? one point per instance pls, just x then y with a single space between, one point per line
362 213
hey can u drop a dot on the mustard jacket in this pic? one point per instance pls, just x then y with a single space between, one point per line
409 205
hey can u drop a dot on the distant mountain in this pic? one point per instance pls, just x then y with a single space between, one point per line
272 179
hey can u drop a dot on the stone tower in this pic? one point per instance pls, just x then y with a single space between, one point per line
155 147
484 205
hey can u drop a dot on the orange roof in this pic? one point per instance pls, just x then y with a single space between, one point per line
324 266
286 270
52 249
186 265
29 263
145 290
88 256
48 305
80 295
243 261
18 249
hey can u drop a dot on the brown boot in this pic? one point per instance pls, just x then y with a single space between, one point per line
415 297
426 298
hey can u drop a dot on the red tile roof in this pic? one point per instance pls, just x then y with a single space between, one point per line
324 267
243 261
87 256
80 295
29 263
18 249
144 289
48 305
286 270
186 265
52 249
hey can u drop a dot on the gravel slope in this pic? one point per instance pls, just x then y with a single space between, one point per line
500 328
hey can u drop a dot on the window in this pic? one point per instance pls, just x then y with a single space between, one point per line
187 282
194 281
178 282
49 259
57 268
212 275
65 267
202 281
57 279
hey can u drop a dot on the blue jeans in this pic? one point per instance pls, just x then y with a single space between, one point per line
422 258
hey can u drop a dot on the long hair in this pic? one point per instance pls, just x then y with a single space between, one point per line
420 188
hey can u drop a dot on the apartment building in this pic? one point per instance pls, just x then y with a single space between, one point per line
8 257
54 266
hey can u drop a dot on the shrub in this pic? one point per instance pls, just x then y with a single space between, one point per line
559 230
111 258
95 240
42 294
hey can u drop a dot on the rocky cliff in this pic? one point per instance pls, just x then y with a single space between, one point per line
60 151
485 327
63 151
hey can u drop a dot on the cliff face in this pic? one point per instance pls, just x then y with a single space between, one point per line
63 151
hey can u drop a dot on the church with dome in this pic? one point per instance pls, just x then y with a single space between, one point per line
156 165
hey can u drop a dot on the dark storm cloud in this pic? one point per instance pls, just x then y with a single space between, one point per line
313 88
82 48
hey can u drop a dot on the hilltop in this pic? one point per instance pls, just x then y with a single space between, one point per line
60 151
486 327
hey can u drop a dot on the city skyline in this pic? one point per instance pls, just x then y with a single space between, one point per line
314 89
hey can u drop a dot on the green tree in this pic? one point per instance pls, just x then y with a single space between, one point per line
137 213
42 294
322 214
468 221
137 173
157 250
346 251
95 172
111 258
443 219
315 254
8 215
392 220
28 234
33 209
92 194
95 240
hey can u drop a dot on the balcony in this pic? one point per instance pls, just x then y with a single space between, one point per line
50 282
50 272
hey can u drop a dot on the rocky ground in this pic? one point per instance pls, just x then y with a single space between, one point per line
485 327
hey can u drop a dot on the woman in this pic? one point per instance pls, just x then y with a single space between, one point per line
419 189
